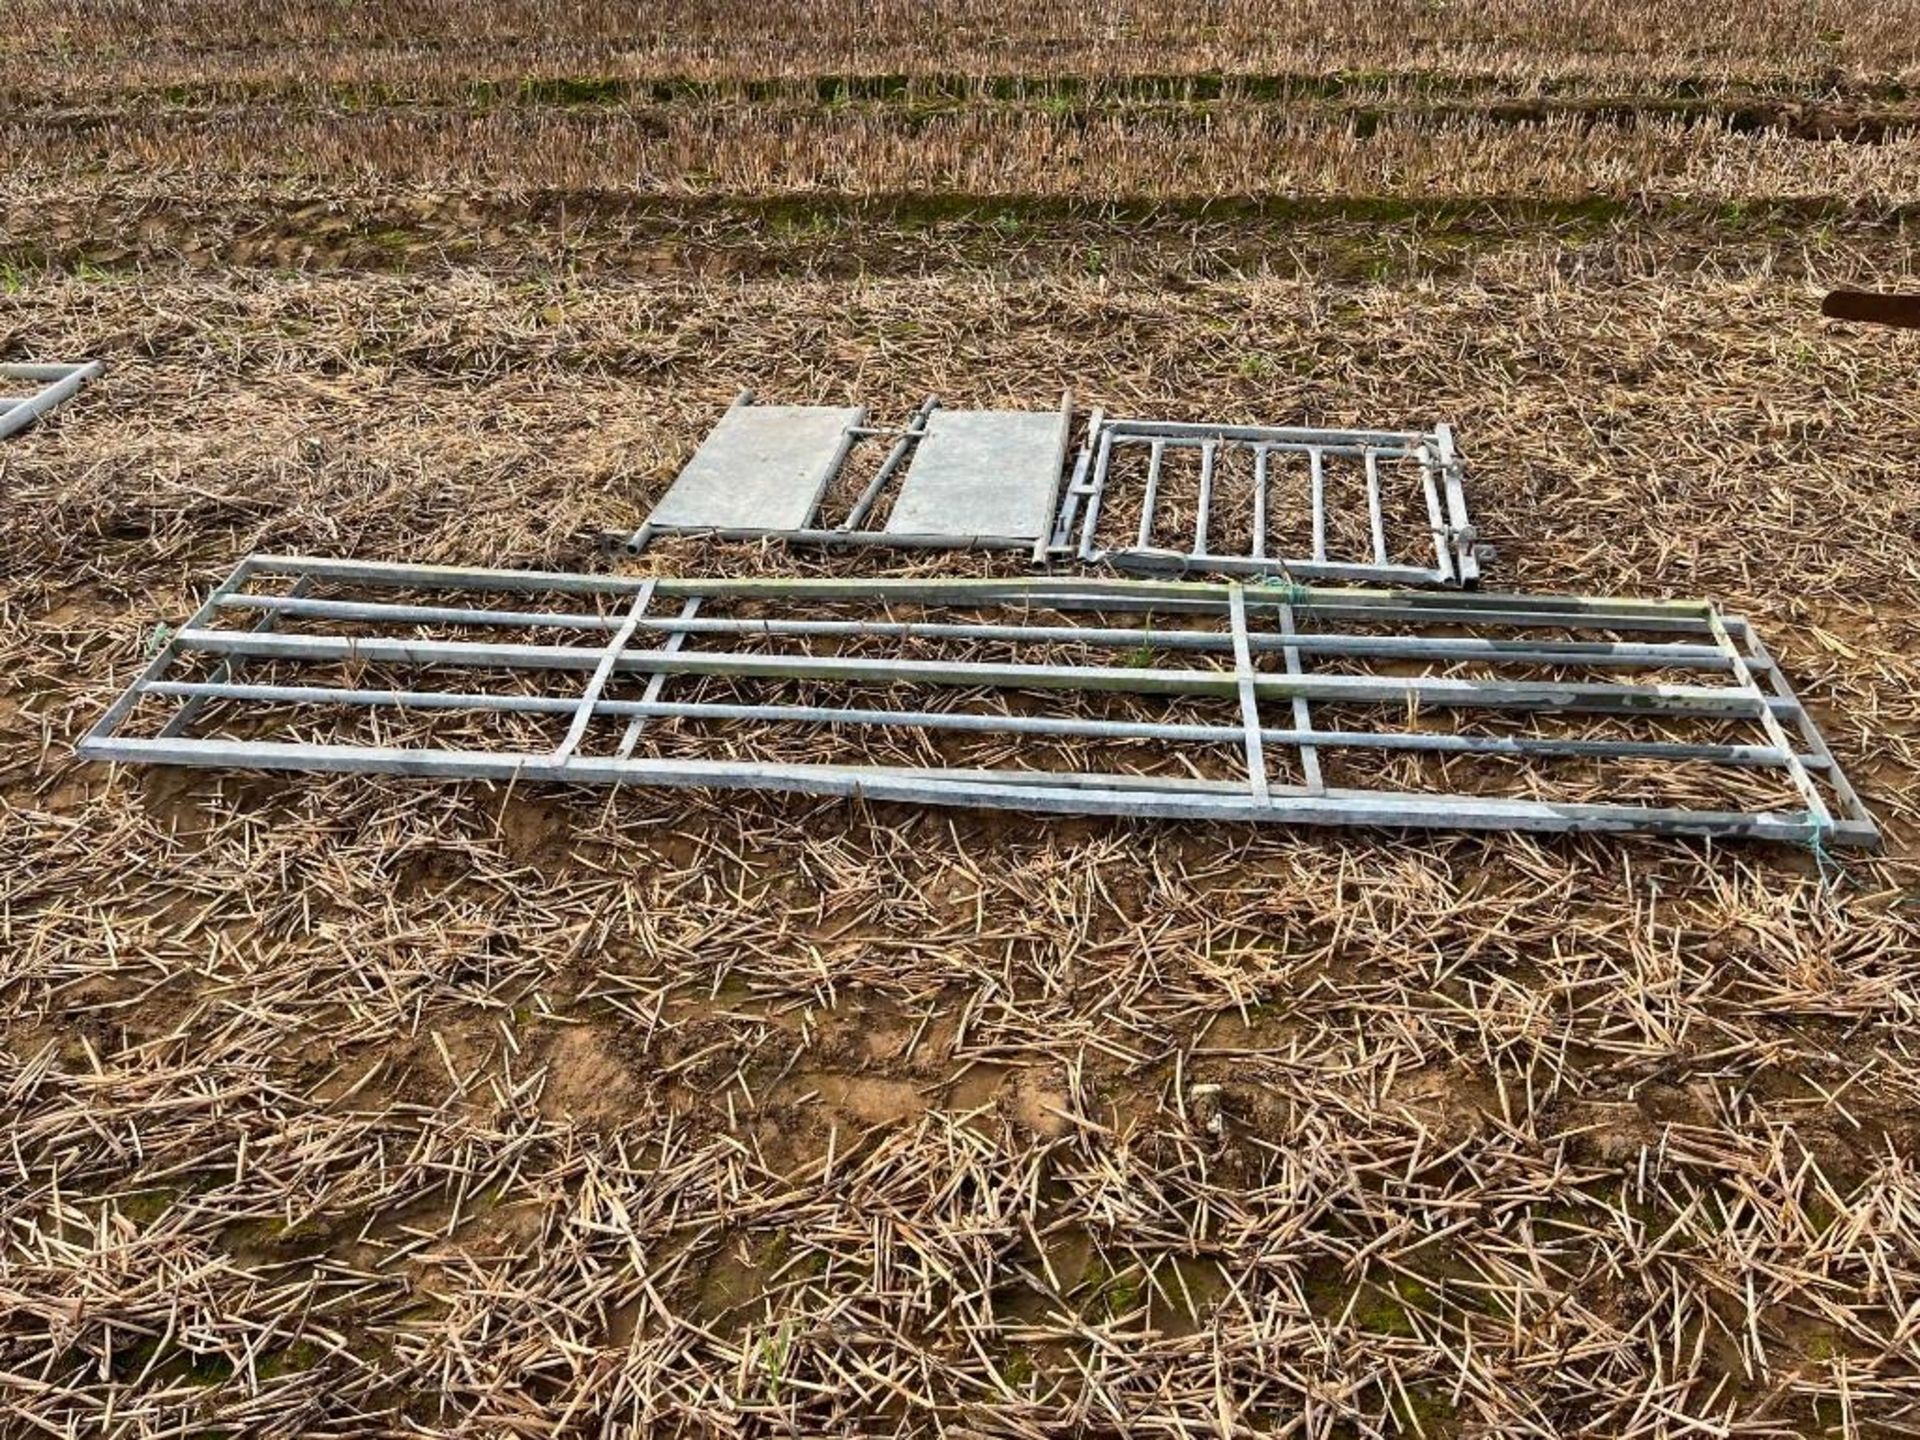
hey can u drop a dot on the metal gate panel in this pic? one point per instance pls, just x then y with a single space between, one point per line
1225 701
1441 534
48 387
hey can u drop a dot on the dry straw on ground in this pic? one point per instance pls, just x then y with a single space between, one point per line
384 1108
519 1111
1223 153
1619 46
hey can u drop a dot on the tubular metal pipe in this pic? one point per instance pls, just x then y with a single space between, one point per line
1079 728
67 381
1723 701
916 427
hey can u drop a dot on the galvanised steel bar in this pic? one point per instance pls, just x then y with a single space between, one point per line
1046 540
1274 435
1249 696
1317 464
1302 711
1460 529
1488 608
60 382
1126 796
1087 593
1205 511
658 681
844 539
1047 791
1147 505
916 427
46 374
1608 653
1376 513
1171 562
1436 522
583 715
1583 697
1671 624
1222 435
1259 502
1434 742
443 577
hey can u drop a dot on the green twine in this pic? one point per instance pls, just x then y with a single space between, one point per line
1825 862
1295 594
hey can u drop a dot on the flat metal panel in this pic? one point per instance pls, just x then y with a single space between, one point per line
763 467
983 472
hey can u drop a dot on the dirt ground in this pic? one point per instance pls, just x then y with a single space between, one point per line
350 1106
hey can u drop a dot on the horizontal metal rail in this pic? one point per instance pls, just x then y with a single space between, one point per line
1034 791
830 539
60 383
1089 592
1662 699
1291 623
1272 436
969 721
1607 653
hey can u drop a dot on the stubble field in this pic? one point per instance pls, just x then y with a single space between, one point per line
356 1107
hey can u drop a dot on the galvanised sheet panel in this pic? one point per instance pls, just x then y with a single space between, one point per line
983 472
762 467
